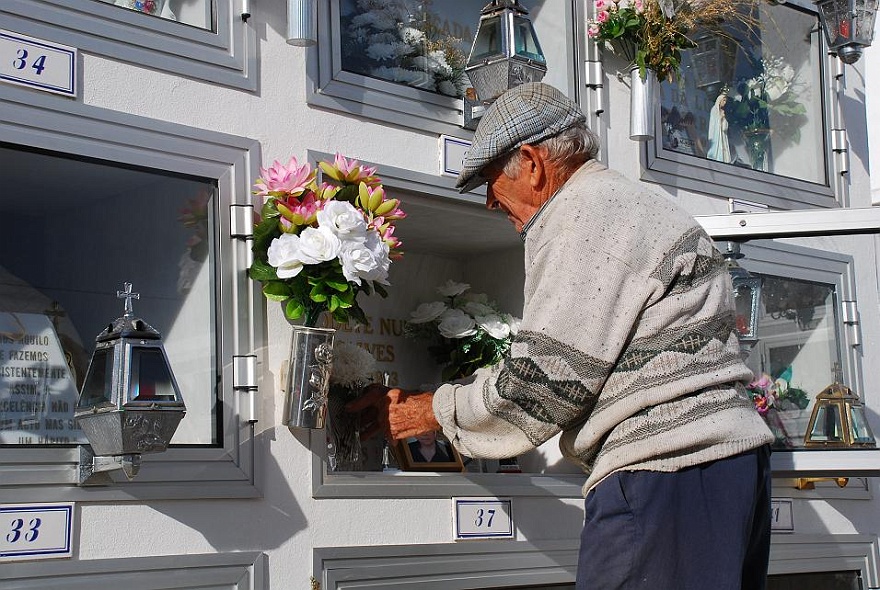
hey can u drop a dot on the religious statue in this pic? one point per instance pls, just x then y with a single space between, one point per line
719 145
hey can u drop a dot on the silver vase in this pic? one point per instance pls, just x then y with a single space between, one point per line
308 376
641 103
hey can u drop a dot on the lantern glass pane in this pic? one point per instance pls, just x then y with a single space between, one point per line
751 99
866 12
861 431
98 384
150 376
525 41
489 41
828 426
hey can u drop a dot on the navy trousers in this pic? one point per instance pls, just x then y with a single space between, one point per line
703 527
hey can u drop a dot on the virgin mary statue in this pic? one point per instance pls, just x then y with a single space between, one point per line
719 145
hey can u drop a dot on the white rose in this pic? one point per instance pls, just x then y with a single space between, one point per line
494 325
476 308
451 288
318 245
343 219
365 259
427 312
284 255
455 323
513 322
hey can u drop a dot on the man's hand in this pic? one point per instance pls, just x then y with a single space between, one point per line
397 413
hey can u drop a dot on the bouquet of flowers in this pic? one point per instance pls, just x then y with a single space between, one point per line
401 41
651 34
772 396
317 246
774 89
465 331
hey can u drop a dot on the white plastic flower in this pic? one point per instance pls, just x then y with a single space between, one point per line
513 322
427 312
494 326
284 255
455 323
343 219
352 365
365 259
451 288
475 308
318 245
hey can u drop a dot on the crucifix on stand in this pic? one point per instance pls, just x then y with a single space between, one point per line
128 296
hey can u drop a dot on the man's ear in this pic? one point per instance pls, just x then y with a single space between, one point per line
533 165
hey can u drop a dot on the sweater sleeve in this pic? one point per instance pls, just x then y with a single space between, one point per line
581 306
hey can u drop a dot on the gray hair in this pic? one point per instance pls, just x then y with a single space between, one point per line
567 150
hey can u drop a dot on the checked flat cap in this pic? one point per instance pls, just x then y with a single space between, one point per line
525 114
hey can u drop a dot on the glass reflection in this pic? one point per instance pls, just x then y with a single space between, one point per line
751 97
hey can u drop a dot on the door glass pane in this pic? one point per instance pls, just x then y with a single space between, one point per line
72 232
817 581
752 98
420 44
198 13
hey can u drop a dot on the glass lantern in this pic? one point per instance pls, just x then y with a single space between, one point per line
505 52
848 25
747 298
838 420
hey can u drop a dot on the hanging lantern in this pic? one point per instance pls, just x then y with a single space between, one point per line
713 61
505 52
838 420
848 25
747 297
130 403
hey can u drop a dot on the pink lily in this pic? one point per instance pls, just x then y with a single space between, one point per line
284 180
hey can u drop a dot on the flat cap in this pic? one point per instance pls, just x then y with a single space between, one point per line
525 114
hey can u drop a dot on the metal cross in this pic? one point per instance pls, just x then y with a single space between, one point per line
55 312
128 296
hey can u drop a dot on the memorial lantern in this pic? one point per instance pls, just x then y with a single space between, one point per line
848 26
130 403
838 420
747 298
505 52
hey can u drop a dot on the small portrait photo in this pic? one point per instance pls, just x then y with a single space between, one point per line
430 451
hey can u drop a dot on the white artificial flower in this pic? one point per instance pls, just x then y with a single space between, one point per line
451 288
284 255
513 322
318 245
365 259
412 35
427 312
352 365
476 308
494 326
343 219
455 323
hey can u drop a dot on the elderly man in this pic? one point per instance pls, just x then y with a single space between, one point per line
627 347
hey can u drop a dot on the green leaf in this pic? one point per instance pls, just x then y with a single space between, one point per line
294 310
341 287
276 290
262 271
380 289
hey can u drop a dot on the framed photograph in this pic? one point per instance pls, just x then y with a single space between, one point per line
428 452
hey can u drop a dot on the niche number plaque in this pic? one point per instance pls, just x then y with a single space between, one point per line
482 518
38 64
35 531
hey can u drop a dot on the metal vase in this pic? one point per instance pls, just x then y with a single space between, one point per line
308 376
641 102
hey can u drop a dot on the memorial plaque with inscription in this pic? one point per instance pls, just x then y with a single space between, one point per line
37 391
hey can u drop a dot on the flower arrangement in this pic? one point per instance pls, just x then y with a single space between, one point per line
772 90
651 34
353 369
772 396
465 331
317 246
400 41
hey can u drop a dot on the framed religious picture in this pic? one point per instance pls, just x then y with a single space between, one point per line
428 452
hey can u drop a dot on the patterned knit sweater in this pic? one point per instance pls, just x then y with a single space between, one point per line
627 343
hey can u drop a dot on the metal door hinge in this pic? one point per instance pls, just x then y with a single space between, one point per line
244 381
241 221
850 318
